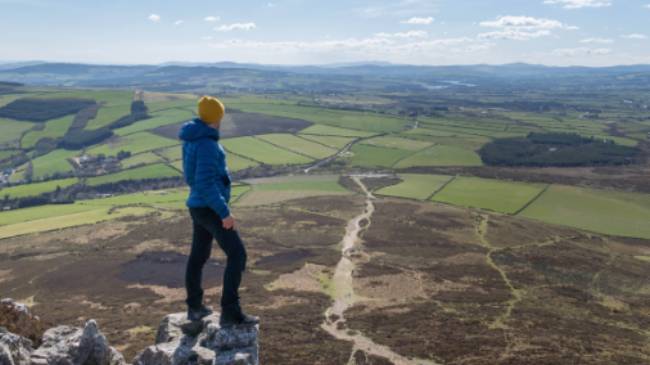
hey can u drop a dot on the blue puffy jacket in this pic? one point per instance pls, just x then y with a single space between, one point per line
204 167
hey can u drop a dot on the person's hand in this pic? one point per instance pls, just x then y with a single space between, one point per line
228 222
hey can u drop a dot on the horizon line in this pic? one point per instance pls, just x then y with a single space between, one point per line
320 65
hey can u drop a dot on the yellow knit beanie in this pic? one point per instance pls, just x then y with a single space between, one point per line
211 110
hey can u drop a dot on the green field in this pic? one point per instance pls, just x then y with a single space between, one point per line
146 158
154 171
147 198
298 145
5 154
329 141
53 162
41 212
178 165
237 163
326 130
55 128
8 98
12 130
258 150
415 186
397 142
365 121
158 119
609 212
172 153
134 143
441 156
371 156
107 115
21 191
90 215
496 195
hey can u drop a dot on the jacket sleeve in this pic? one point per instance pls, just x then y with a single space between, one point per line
206 180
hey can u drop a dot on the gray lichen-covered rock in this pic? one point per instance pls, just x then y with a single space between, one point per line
65 345
14 349
181 342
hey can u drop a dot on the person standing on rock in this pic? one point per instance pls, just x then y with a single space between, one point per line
206 173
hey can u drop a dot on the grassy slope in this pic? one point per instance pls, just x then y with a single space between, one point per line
415 186
298 145
610 212
54 128
140 173
261 151
21 191
330 141
371 156
397 142
145 158
365 121
157 119
12 130
442 156
496 195
55 161
134 143
326 130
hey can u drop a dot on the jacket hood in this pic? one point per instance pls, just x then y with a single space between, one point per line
195 129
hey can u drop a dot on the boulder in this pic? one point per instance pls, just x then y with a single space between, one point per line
65 345
182 342
14 349
18 319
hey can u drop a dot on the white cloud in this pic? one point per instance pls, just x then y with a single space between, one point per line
647 6
581 51
515 34
579 4
419 21
597 40
179 22
236 26
409 34
207 38
634 36
154 18
521 28
211 19
271 5
401 8
525 22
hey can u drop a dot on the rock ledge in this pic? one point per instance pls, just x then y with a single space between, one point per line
178 342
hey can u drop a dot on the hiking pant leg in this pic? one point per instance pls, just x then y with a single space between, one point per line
199 255
231 244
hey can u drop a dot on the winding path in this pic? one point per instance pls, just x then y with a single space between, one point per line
344 296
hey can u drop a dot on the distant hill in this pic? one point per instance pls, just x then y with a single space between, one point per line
229 76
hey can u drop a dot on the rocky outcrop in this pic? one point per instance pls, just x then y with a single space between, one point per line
178 342
63 345
66 345
18 319
181 342
14 349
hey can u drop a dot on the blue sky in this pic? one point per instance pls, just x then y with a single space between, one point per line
555 32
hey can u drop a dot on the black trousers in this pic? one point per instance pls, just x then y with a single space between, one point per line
207 226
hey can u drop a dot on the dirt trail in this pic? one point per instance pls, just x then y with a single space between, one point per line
344 296
517 294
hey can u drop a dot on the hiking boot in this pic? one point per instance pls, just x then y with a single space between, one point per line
233 315
197 314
